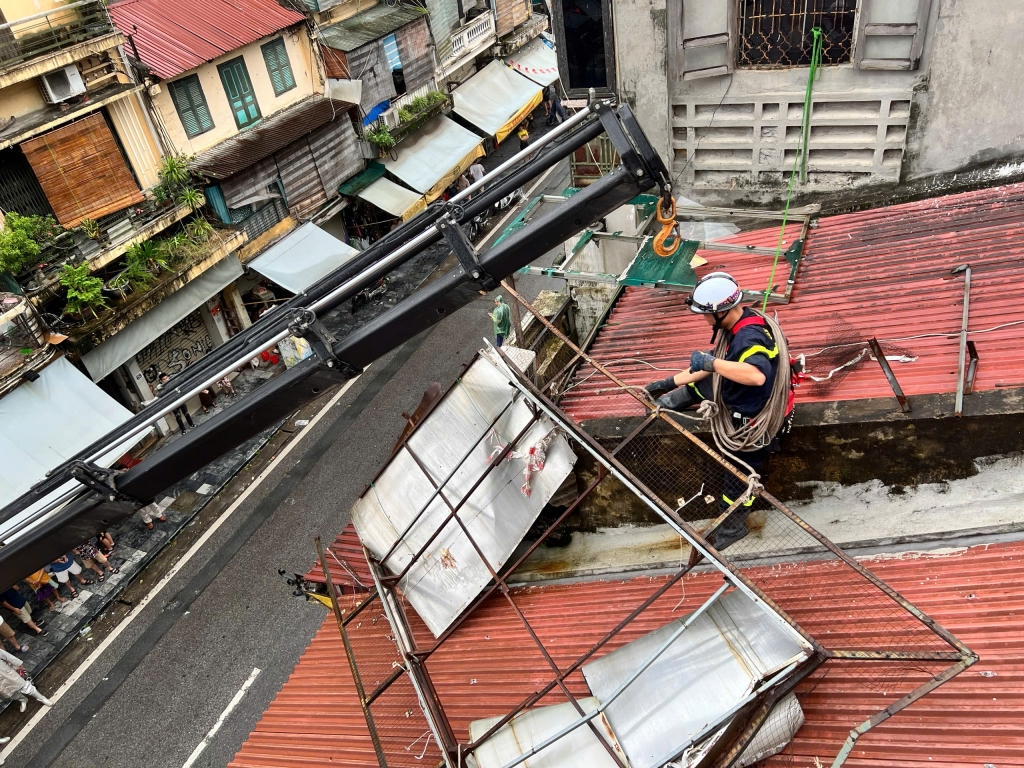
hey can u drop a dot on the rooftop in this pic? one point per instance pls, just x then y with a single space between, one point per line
372 24
881 273
976 593
174 37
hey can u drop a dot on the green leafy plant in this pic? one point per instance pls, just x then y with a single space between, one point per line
143 262
404 115
192 198
435 97
177 183
381 136
23 238
199 230
83 290
419 104
90 228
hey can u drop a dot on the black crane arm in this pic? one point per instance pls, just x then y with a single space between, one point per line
104 499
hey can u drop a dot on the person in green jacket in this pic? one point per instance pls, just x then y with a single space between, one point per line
502 318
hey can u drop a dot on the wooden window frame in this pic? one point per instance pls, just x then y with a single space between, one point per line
277 48
179 86
558 27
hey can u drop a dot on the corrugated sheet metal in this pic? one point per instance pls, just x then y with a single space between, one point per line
174 37
417 57
303 189
336 151
369 64
239 152
978 718
372 24
883 272
346 564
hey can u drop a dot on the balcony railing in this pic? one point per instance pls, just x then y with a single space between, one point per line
43 33
22 336
471 37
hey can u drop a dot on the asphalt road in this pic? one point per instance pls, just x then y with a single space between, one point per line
152 697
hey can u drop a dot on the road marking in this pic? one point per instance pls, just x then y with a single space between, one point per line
102 647
220 720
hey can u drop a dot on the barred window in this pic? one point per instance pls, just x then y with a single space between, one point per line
777 33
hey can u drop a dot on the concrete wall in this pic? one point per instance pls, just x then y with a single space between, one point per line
306 83
971 108
14 10
733 137
21 99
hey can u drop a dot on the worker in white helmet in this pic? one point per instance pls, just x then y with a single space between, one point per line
748 370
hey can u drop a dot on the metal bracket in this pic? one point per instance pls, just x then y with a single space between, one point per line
876 350
306 324
465 252
100 480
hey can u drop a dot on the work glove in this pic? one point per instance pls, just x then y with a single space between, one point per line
660 387
702 361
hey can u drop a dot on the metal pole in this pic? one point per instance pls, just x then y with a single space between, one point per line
962 356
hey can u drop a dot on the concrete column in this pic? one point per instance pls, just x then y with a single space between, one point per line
234 302
212 313
136 381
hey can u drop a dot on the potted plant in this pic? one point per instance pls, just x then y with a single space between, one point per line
145 257
23 239
381 136
199 230
119 286
84 292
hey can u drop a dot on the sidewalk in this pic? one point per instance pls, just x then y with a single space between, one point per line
135 545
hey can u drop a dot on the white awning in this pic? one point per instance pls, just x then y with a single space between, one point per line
437 155
138 334
297 261
496 99
393 198
536 60
47 421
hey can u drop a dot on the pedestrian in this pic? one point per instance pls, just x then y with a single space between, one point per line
226 386
15 602
63 568
181 414
746 374
94 560
502 319
524 136
557 114
150 511
477 171
206 400
8 634
43 589
14 684
547 105
462 183
105 542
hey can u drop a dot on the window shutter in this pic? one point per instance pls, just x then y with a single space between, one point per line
705 45
890 34
188 98
278 66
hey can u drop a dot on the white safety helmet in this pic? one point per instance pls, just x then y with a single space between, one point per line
715 292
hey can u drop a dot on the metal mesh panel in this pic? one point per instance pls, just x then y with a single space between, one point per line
777 33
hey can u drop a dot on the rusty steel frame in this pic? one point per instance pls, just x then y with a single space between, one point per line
897 390
609 465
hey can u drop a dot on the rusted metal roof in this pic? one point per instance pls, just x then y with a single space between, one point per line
977 718
346 564
883 272
270 135
372 24
174 37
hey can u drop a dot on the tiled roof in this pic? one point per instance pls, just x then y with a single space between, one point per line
883 272
176 36
974 720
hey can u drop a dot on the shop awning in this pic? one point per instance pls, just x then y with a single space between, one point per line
536 60
47 421
373 171
436 156
394 198
496 99
297 261
138 334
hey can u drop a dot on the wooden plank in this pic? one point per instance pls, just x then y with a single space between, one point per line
82 171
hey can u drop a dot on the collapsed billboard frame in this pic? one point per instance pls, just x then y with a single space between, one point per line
952 654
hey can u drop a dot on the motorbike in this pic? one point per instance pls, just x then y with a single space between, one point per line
476 225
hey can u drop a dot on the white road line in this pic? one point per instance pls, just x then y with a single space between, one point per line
220 720
102 647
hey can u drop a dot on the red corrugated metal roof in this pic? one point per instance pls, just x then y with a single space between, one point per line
346 563
883 272
488 666
178 35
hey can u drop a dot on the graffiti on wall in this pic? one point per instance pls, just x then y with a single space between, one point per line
186 341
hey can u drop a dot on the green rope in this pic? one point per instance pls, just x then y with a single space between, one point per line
800 161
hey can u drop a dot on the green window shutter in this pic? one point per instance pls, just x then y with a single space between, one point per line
189 101
278 66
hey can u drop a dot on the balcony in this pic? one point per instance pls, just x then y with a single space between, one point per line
470 41
523 34
47 33
24 340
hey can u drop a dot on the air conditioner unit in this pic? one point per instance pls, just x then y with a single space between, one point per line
391 119
62 84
